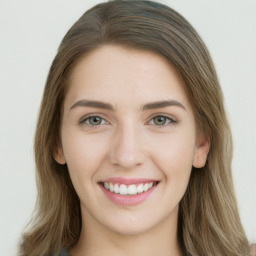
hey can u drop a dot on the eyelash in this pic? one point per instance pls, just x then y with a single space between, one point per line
171 121
86 118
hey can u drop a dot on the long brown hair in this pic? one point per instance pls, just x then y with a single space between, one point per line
209 222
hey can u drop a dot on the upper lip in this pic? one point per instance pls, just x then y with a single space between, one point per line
128 181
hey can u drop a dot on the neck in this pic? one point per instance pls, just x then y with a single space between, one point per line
97 240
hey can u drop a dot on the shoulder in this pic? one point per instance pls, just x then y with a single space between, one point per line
64 252
252 250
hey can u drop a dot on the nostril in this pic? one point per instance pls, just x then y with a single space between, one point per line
127 159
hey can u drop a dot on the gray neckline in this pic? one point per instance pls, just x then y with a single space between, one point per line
64 252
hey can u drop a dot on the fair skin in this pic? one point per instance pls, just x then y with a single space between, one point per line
128 140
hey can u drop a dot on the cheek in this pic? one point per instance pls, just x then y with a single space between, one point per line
83 154
177 146
173 154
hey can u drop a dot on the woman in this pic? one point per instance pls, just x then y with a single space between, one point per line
133 148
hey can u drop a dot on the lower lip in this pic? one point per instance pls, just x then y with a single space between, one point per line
128 200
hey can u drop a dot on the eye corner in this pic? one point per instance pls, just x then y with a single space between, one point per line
167 120
86 120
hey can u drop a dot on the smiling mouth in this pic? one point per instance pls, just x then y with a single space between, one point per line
128 190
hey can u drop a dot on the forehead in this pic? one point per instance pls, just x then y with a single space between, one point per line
119 74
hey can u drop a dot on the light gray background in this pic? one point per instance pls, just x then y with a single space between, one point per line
30 32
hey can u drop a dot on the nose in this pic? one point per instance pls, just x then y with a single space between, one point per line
127 149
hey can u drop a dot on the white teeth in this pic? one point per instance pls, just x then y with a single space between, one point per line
111 187
132 189
106 185
140 188
145 187
116 189
123 190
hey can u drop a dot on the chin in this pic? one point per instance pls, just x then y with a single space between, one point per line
135 224
130 230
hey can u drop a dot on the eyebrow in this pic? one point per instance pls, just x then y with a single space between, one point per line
163 104
148 106
93 104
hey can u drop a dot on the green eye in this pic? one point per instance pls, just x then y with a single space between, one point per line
94 120
160 120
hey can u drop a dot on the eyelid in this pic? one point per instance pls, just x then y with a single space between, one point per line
82 120
172 119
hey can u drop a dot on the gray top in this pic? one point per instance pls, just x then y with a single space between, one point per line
64 252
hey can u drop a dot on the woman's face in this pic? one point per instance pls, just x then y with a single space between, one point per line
129 139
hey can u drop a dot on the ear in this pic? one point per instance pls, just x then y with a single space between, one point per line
59 154
201 151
